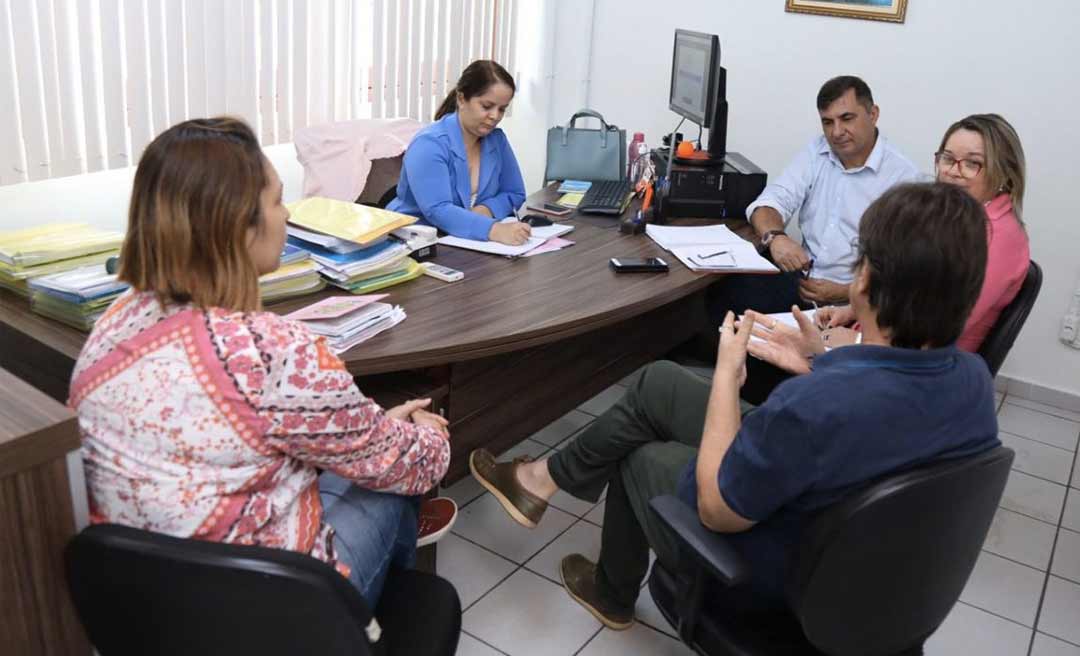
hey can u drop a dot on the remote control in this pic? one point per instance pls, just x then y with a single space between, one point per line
445 274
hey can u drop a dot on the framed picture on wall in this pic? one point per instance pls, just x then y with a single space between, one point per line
882 10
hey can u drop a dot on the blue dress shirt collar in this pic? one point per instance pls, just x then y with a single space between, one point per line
873 162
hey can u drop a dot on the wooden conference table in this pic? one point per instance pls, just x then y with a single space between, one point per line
504 352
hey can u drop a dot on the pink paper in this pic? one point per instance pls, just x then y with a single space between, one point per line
333 307
553 244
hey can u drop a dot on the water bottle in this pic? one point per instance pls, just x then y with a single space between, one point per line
633 152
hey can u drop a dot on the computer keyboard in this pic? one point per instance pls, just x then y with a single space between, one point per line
606 197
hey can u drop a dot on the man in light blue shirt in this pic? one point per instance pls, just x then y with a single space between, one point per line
829 184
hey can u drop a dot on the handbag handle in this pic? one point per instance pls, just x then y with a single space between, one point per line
588 113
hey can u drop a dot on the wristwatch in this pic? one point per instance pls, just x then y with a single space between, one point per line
767 238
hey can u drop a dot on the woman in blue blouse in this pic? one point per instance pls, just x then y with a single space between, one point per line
460 174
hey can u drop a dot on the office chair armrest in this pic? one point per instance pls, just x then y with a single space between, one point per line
707 547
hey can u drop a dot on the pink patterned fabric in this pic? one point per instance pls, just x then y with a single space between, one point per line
211 424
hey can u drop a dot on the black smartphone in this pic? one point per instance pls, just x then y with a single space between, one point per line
536 221
638 264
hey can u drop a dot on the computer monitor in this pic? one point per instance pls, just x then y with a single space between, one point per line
698 86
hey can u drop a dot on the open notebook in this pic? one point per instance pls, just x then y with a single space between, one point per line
712 248
538 238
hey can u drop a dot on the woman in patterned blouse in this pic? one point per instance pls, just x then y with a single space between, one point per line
203 416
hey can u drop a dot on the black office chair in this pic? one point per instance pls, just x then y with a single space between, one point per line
1001 337
874 575
384 200
139 592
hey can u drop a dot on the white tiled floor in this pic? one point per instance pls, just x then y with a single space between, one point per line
1023 597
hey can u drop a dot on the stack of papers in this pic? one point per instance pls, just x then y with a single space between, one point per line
404 270
78 297
291 254
55 248
365 269
346 221
347 321
291 280
714 249
296 275
308 238
540 237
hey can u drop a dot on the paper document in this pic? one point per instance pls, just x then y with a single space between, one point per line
551 245
786 318
729 258
669 237
572 199
333 307
712 248
539 236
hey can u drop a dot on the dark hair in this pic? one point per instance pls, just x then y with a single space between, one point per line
475 80
925 246
195 195
832 90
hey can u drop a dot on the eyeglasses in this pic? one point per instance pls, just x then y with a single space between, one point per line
969 168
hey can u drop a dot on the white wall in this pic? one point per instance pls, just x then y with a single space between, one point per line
551 76
949 59
102 198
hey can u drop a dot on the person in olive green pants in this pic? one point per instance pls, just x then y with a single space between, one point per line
638 449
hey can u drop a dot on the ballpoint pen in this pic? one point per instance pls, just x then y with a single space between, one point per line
705 257
806 276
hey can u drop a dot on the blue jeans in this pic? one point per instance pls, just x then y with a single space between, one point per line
373 530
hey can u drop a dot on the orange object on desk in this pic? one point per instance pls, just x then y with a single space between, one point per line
686 150
648 197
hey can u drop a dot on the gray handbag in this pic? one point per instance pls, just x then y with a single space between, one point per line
585 153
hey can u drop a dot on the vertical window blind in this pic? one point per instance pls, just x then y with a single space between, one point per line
86 84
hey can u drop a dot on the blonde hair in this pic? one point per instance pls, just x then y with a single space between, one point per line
195 196
1005 165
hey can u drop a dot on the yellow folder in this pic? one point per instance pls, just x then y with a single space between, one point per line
357 223
58 241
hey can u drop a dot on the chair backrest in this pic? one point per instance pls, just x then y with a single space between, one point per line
382 182
139 592
878 572
1001 337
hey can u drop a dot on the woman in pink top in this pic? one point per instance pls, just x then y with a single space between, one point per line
983 155
203 416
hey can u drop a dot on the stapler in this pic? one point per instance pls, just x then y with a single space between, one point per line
421 240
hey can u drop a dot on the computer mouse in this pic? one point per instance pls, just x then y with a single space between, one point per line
536 221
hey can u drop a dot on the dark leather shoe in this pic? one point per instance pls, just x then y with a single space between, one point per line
579 577
500 478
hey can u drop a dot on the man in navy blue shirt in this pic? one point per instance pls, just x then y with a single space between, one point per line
904 397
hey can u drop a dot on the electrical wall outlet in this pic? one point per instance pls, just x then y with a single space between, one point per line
1069 333
1070 323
